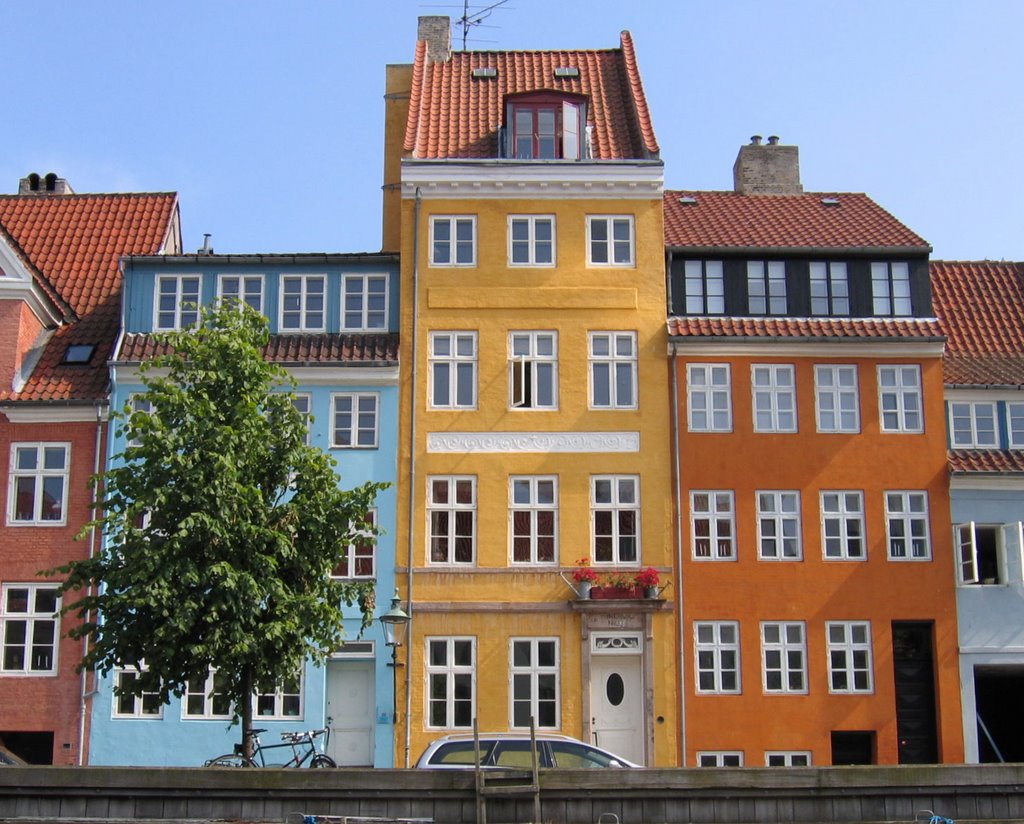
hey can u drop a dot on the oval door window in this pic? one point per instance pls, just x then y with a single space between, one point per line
615 689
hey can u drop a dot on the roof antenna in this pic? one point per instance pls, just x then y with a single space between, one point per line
467 21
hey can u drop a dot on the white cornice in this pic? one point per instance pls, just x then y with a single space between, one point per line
18 283
536 180
304 375
598 442
827 348
992 481
56 413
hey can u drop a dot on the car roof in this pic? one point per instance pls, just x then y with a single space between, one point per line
489 736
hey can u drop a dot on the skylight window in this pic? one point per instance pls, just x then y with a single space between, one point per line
567 71
78 353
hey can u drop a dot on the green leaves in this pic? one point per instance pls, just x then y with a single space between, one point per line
221 525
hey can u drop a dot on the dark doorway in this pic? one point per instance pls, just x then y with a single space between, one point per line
997 692
853 747
914 674
34 747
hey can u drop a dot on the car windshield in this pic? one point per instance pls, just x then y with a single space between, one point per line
461 752
572 756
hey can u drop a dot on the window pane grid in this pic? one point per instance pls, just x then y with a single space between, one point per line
534 679
613 370
533 370
177 301
531 240
712 525
704 284
365 301
766 287
778 526
615 516
302 303
453 240
849 656
836 394
906 524
39 474
355 418
784 656
972 425
708 398
610 240
451 676
842 525
247 289
29 628
830 293
533 517
899 398
774 396
717 651
453 365
451 514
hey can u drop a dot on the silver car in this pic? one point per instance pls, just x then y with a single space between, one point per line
511 750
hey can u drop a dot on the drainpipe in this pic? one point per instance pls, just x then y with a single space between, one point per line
678 537
86 692
412 468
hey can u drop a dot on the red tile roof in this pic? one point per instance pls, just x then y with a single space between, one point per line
968 461
801 328
731 220
980 305
455 115
74 243
290 349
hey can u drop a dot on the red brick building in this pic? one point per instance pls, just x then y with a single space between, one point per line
60 285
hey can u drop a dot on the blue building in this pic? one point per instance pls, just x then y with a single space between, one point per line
980 305
333 322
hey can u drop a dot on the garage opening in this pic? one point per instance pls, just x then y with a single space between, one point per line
997 692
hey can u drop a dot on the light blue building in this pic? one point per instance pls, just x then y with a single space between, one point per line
981 308
333 322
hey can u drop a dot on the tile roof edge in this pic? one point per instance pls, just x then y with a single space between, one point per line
641 112
68 314
764 247
80 195
415 97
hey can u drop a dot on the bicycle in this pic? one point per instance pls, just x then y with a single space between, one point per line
304 746
929 817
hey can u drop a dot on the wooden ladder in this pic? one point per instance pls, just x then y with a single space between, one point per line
499 782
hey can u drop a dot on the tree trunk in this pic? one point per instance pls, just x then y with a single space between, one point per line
248 688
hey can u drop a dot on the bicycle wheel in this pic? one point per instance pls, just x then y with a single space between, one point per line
321 760
230 760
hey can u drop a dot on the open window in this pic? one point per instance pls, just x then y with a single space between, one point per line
986 552
545 126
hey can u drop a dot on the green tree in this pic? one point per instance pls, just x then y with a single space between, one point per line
221 526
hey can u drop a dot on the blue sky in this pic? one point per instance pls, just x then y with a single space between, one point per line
267 117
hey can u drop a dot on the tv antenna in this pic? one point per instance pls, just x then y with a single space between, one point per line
468 21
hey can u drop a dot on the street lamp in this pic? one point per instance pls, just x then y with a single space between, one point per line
395 623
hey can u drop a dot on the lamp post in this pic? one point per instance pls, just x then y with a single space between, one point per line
395 623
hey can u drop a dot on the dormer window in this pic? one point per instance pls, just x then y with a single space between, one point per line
544 127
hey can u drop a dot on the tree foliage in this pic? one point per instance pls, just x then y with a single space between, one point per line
221 526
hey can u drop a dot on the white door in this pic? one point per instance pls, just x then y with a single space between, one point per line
616 700
350 706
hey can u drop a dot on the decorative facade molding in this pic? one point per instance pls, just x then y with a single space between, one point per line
467 442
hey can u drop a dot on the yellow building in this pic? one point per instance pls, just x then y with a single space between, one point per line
524 192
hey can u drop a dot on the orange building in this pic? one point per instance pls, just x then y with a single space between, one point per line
816 606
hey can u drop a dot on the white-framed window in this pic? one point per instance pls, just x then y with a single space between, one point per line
837 398
139 404
533 370
534 683
38 487
1015 424
29 629
787 758
778 525
177 302
774 393
303 300
533 518
906 526
830 291
247 289
713 525
283 702
849 656
766 287
784 656
704 282
451 515
303 403
360 556
612 370
451 682
531 240
984 550
355 420
610 240
615 518
720 758
890 289
453 365
899 398
205 698
364 302
453 240
972 425
708 397
842 525
717 654
146 705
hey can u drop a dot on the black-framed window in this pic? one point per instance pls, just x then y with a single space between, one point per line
830 288
705 287
766 287
890 289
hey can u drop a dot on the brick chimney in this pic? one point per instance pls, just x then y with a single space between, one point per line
49 185
769 169
436 30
